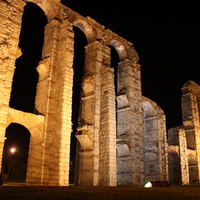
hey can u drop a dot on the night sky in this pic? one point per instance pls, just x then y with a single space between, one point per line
166 37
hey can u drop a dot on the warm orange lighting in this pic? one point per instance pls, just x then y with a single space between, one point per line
12 150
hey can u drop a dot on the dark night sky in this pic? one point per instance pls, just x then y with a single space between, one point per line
166 37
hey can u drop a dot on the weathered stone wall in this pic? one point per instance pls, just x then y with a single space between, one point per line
154 142
35 124
10 25
178 156
185 139
89 126
107 137
108 121
190 114
130 161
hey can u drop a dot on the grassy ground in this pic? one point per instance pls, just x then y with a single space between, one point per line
98 193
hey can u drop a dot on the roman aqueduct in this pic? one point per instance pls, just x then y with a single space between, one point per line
121 135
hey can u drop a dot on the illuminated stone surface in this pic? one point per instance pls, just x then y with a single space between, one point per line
123 144
184 141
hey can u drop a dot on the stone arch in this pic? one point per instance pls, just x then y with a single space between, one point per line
148 109
49 148
86 28
34 123
50 9
120 48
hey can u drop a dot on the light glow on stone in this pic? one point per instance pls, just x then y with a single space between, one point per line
148 184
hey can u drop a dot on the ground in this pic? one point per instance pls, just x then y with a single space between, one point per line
99 193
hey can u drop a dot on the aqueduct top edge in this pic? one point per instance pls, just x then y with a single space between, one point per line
91 28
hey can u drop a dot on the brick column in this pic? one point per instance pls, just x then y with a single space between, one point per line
155 142
162 147
151 151
129 124
63 105
10 26
183 157
178 156
44 101
107 137
35 158
135 132
54 100
87 165
190 115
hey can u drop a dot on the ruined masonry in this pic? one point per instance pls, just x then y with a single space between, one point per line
121 134
184 140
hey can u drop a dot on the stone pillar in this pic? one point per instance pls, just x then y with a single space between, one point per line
63 126
155 142
54 100
35 160
178 156
107 137
129 123
190 115
123 147
43 103
162 148
87 161
173 156
10 26
136 136
183 157
151 152
2 140
197 136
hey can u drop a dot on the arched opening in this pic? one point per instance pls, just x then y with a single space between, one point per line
119 47
86 29
26 77
14 163
80 42
148 110
114 64
114 61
